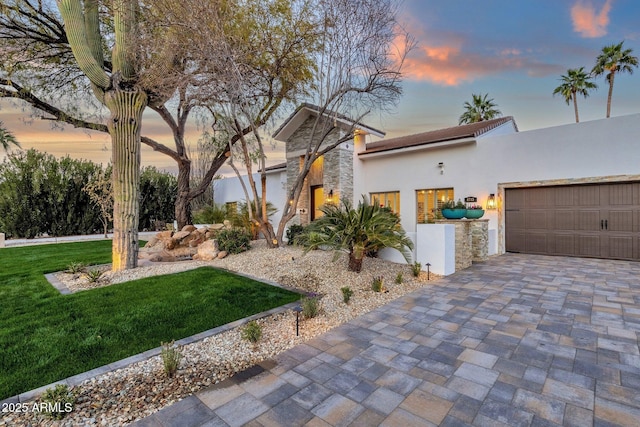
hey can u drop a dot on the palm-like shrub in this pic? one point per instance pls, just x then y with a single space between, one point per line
365 229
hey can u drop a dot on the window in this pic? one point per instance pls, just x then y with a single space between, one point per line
429 201
389 200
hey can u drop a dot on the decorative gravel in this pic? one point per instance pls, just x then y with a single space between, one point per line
123 396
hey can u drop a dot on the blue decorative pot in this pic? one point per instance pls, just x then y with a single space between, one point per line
454 213
474 213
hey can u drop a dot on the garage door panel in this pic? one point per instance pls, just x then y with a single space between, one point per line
539 198
588 220
620 220
514 242
536 243
588 195
588 245
565 220
565 244
537 219
620 247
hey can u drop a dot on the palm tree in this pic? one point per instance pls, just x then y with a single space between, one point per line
575 82
365 229
480 109
613 59
7 138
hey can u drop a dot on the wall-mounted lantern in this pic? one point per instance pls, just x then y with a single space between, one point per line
329 199
441 166
491 202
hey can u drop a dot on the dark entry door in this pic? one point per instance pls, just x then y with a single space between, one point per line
599 220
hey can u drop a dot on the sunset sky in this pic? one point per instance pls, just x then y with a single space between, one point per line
515 51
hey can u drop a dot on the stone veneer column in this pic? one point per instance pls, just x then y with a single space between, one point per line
480 239
463 249
1 240
472 240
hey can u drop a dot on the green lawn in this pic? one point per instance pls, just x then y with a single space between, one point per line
45 336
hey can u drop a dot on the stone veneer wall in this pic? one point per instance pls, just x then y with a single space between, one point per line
471 240
337 174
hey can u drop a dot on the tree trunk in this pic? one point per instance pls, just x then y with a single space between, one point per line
575 105
355 264
613 73
183 199
124 127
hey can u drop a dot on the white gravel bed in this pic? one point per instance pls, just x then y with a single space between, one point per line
123 396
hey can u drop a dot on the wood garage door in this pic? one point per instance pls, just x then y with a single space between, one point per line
601 221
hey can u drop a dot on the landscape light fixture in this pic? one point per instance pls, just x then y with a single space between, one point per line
297 309
491 202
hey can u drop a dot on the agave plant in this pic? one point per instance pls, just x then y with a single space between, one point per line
365 229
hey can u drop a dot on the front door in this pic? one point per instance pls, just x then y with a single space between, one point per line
317 200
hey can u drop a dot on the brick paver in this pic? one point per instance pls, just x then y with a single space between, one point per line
519 340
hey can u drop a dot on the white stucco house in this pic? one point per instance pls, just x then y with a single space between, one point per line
566 190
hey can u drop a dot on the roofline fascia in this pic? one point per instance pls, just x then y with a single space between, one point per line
423 147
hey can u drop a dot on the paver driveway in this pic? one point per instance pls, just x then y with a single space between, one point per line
519 340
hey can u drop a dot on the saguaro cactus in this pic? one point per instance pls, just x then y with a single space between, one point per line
126 101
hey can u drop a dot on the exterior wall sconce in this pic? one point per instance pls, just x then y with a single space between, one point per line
329 197
491 202
441 166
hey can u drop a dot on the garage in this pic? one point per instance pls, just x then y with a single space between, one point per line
594 220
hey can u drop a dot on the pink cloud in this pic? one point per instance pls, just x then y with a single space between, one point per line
449 65
587 21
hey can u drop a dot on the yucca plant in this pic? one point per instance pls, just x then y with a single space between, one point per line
365 229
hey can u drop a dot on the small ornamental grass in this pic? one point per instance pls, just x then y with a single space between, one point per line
171 357
93 274
346 294
57 402
252 332
310 305
416 267
378 284
399 279
75 267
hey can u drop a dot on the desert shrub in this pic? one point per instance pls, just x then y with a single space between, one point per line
75 267
252 332
377 284
310 305
346 294
293 232
399 278
416 267
210 214
234 240
93 274
171 357
59 401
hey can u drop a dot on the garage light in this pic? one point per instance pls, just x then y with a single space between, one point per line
491 202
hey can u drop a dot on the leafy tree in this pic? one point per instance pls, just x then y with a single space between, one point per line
101 194
7 138
479 109
575 82
365 229
359 51
181 51
614 59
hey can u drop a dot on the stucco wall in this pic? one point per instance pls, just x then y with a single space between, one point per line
595 149
229 189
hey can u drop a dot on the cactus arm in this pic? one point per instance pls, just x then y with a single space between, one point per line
72 14
92 29
124 15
